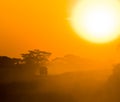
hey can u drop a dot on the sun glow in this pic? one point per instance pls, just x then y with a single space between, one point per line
96 20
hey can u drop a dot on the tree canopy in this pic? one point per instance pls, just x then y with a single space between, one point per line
34 59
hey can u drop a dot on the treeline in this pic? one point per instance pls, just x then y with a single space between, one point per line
35 59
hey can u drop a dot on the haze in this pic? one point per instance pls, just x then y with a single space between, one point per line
42 59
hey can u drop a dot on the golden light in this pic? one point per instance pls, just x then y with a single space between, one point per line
96 20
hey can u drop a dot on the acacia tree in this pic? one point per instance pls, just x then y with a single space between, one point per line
37 59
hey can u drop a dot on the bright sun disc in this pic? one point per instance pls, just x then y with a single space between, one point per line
96 20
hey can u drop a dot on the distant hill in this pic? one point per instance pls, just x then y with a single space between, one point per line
72 63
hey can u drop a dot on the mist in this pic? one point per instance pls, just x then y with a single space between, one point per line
35 78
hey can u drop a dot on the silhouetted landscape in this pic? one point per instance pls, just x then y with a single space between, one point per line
60 51
27 79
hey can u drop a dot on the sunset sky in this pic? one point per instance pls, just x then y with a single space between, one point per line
43 24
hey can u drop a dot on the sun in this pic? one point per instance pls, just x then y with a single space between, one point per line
97 21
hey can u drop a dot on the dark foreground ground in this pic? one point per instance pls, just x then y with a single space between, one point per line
30 92
64 88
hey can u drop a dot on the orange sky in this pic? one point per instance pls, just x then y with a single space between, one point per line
42 24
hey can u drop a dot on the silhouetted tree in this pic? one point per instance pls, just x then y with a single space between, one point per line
37 59
6 62
111 90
